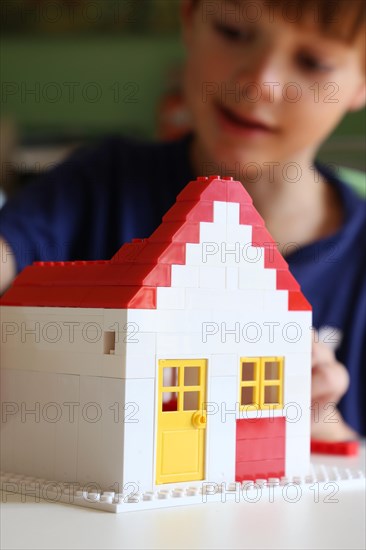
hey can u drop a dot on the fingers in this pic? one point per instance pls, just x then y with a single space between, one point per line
330 379
329 382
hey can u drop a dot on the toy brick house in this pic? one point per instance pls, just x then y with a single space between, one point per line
183 359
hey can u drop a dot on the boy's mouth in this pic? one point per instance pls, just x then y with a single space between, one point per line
243 124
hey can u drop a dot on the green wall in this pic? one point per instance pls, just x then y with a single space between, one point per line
117 81
87 84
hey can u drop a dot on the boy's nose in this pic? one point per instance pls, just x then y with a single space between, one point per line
263 77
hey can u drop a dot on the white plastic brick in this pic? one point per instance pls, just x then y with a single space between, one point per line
221 428
224 299
299 365
206 253
47 435
174 345
90 452
185 276
211 232
66 428
136 366
176 321
113 423
241 234
114 318
298 419
220 216
194 254
232 212
11 384
276 300
232 278
170 298
139 433
230 253
296 383
253 255
144 321
212 277
54 330
223 365
138 343
36 431
101 425
347 479
78 364
250 277
297 451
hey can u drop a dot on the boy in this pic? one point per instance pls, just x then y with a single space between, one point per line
266 82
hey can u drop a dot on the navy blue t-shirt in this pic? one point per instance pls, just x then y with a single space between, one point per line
88 206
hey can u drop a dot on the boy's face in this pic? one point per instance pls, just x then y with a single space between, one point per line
262 88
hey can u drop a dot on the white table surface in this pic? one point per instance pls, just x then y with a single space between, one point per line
279 525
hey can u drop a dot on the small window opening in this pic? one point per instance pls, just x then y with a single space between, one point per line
109 342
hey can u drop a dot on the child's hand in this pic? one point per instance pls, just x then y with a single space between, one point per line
330 381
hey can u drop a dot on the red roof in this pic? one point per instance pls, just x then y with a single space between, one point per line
130 278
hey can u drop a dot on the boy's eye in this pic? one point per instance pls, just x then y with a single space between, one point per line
312 64
234 34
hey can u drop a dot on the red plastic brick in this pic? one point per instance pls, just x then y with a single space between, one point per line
237 193
249 215
61 273
148 275
183 232
190 211
260 449
260 428
261 237
260 469
129 251
212 189
123 297
173 253
130 278
286 281
349 448
34 274
48 296
273 259
298 302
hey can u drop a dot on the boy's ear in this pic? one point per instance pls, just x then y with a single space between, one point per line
359 99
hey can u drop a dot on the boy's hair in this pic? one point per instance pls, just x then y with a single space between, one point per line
342 19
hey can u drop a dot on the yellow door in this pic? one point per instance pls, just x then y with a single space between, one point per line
181 420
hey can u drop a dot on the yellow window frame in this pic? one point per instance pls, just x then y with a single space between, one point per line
269 382
255 383
260 383
181 388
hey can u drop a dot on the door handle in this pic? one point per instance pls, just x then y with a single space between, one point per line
199 419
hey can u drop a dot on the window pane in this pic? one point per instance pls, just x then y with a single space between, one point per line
170 376
170 401
247 396
247 372
272 395
272 370
191 376
191 400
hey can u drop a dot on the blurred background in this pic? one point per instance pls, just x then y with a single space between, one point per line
73 71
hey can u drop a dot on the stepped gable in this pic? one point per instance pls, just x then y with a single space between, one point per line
131 277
